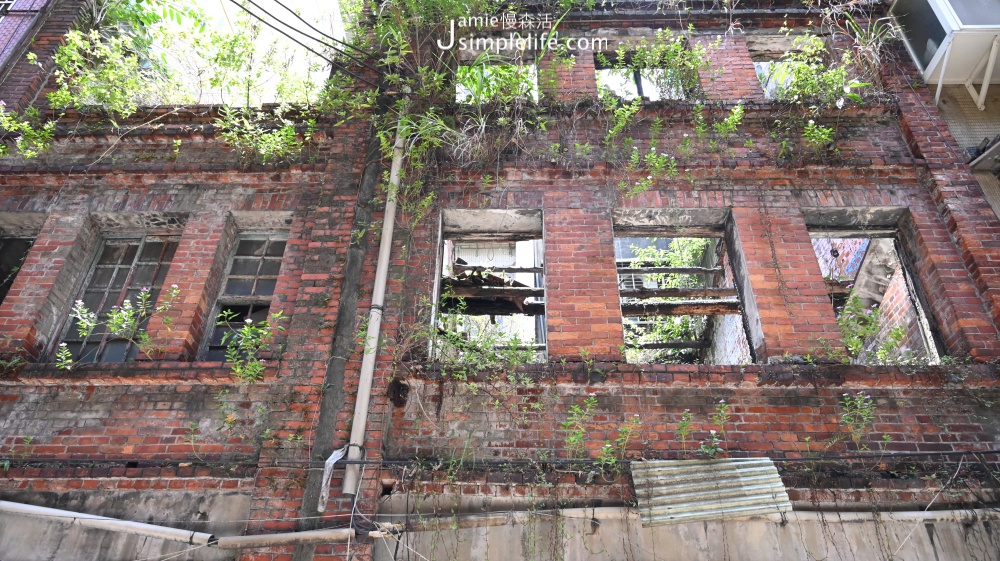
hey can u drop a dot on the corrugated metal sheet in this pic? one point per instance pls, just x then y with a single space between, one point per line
678 491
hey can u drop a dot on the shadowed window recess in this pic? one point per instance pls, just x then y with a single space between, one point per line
13 252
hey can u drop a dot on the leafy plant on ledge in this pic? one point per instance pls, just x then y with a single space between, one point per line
127 322
246 343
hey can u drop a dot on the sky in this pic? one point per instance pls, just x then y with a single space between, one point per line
223 16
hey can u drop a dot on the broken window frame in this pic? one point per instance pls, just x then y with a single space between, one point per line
839 293
521 225
680 224
101 336
258 306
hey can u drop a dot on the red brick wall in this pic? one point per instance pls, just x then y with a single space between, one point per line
731 75
137 418
22 84
897 310
776 411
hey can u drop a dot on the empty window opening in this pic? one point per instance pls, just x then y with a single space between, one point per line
248 288
654 84
774 75
13 252
492 295
679 301
124 267
486 81
880 317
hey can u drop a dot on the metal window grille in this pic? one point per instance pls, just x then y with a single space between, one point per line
122 269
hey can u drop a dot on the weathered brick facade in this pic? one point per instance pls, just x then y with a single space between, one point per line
174 422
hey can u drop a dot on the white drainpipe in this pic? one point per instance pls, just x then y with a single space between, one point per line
359 425
112 524
173 534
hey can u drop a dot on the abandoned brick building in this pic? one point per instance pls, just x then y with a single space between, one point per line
687 387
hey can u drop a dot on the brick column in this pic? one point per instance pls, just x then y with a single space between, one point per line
196 269
582 307
25 80
568 80
34 309
961 316
961 204
785 297
730 75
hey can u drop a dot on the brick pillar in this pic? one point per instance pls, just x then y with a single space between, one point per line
730 75
960 314
197 266
42 293
568 80
959 198
785 296
581 283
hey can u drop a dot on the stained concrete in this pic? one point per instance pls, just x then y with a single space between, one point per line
24 538
612 534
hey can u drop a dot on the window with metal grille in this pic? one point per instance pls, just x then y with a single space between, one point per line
12 254
123 268
248 288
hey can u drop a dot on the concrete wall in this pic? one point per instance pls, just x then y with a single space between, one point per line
612 534
24 538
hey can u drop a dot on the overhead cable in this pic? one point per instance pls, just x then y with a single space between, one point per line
304 34
330 37
337 64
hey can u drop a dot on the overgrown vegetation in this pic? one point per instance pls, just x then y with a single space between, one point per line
682 252
247 342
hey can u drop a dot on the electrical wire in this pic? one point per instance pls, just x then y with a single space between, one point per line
301 44
304 34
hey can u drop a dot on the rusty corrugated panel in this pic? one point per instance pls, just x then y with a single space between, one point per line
678 491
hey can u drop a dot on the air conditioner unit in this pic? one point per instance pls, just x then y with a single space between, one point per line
953 41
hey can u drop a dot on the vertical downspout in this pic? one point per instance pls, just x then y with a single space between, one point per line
371 342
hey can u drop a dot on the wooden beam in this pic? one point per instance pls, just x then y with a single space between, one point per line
710 292
852 233
838 288
682 308
488 307
460 268
495 291
670 270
